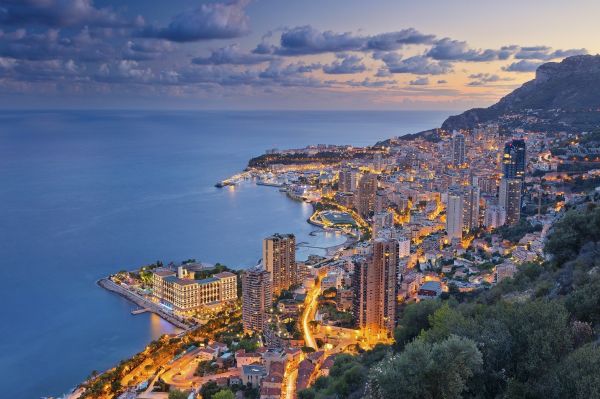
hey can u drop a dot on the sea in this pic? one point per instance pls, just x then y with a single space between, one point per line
84 194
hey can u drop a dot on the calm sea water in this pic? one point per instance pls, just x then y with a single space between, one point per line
84 194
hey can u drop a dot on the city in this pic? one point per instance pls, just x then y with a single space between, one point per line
424 218
266 199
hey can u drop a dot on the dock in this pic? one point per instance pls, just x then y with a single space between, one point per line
144 304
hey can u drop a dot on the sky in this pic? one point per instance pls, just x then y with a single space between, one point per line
282 54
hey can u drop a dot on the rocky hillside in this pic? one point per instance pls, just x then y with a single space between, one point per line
563 95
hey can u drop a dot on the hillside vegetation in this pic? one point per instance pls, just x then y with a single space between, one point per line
534 336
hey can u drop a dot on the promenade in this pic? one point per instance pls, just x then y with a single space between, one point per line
143 303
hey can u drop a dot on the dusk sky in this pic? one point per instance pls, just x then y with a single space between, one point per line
276 54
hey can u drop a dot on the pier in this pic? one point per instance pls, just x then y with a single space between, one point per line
144 304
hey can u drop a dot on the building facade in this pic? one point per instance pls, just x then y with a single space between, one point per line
365 196
257 299
454 216
510 199
279 259
185 295
375 283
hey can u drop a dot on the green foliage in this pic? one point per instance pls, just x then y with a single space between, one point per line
571 232
428 370
177 394
209 389
515 232
577 376
414 319
224 394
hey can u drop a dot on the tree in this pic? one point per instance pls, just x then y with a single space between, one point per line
177 394
224 394
577 376
424 370
209 389
414 319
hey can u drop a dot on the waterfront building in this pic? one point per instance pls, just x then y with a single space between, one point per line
365 198
510 199
257 299
454 215
375 282
458 149
514 159
279 259
185 295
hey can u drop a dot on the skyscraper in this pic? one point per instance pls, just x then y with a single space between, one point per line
365 199
347 180
458 149
514 159
454 215
375 283
470 207
510 199
257 299
279 259
495 216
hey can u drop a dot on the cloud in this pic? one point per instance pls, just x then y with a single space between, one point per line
545 53
61 13
345 64
522 66
308 40
481 79
209 21
232 55
453 50
147 49
442 82
278 69
396 40
305 39
419 64
368 83
51 44
424 81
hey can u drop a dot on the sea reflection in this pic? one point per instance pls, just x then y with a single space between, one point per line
159 327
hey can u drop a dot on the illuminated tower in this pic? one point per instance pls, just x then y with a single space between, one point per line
257 299
279 259
458 150
375 284
514 159
365 199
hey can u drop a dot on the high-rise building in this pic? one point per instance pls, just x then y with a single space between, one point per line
470 207
375 282
365 198
510 199
454 215
279 259
403 247
347 180
382 221
458 149
257 299
514 159
495 216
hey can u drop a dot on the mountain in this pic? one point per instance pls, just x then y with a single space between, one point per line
563 96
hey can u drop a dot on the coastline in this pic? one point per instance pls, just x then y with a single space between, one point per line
110 286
